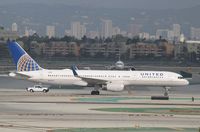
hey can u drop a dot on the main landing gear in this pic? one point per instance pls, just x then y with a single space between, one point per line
166 93
95 92
165 97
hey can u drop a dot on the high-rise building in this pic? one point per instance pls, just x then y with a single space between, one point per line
14 27
135 29
75 29
26 32
171 35
162 33
106 28
78 30
50 31
177 31
82 31
195 33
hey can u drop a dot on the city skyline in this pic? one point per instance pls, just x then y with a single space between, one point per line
126 21
107 30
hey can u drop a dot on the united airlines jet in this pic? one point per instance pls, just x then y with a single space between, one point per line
111 80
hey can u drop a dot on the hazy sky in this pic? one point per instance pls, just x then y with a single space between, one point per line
140 4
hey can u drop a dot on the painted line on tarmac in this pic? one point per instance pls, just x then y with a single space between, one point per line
117 103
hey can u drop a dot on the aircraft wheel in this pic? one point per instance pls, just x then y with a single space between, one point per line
92 93
95 93
166 94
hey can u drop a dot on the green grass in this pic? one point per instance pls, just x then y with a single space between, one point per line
127 130
111 99
176 111
117 99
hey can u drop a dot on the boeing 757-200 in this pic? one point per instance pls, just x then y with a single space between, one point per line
111 80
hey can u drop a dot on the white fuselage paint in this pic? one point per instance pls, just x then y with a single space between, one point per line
127 78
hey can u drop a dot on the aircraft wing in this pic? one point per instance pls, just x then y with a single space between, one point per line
92 81
88 80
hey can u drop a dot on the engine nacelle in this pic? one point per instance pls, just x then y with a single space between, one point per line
114 87
81 83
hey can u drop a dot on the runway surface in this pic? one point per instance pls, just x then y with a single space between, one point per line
21 111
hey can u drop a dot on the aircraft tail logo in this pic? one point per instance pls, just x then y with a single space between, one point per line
22 60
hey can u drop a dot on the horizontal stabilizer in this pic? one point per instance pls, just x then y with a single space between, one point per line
18 75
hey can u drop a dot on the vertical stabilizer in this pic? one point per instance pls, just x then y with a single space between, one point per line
22 60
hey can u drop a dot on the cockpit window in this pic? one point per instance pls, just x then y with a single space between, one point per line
180 77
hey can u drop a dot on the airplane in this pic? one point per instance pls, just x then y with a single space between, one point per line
111 80
119 65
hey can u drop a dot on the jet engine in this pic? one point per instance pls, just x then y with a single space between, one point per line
114 87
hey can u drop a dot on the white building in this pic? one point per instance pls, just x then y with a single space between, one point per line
26 33
177 31
106 28
83 30
29 32
14 27
144 35
50 31
171 35
195 33
78 30
163 33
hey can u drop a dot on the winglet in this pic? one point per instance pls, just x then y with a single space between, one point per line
74 68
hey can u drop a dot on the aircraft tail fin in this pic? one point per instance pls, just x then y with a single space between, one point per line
22 60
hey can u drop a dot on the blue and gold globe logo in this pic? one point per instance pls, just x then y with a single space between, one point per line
26 63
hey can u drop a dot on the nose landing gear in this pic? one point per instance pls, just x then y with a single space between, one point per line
95 92
166 93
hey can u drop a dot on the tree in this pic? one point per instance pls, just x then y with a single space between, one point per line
119 38
134 40
84 39
193 56
108 40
